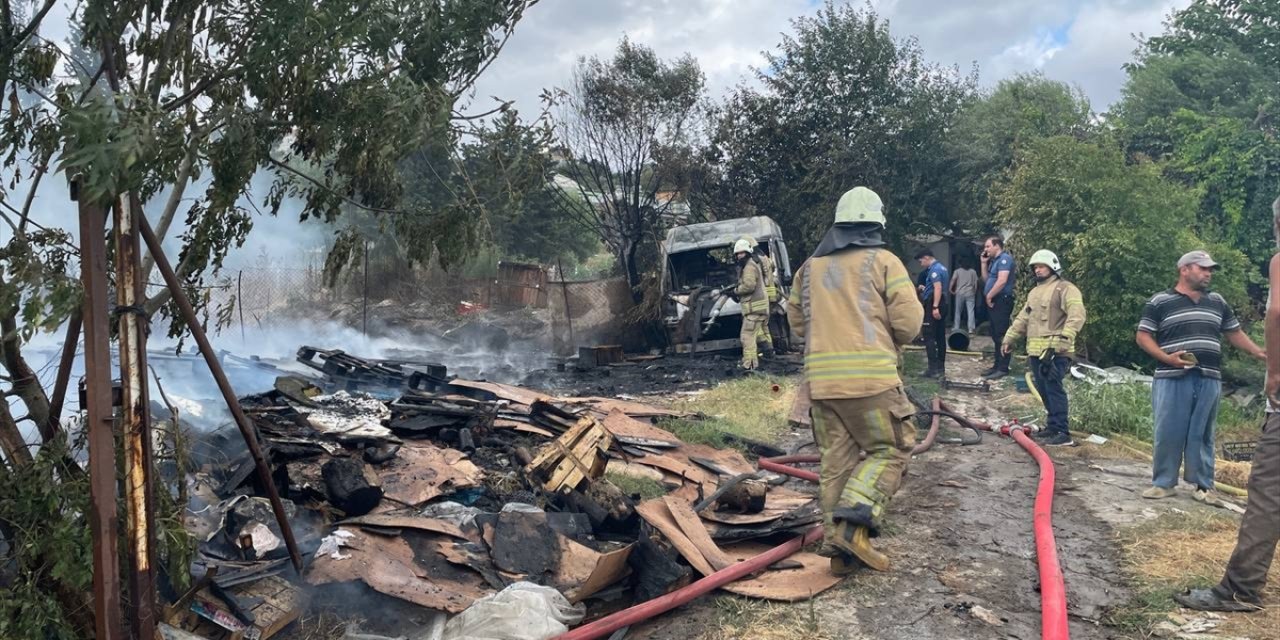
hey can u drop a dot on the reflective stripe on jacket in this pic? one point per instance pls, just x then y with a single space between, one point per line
1051 318
854 308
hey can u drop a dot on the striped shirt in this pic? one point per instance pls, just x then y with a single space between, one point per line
1182 324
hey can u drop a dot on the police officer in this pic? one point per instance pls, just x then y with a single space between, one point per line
753 299
933 293
1051 319
997 271
854 305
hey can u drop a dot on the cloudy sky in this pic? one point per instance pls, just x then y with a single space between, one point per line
1083 42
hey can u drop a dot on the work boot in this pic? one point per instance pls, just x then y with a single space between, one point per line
1157 493
996 375
931 373
1056 439
855 542
859 515
843 564
987 372
1207 600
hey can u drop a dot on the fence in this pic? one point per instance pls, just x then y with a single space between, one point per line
265 298
589 313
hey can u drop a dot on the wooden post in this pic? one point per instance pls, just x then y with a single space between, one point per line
99 423
136 422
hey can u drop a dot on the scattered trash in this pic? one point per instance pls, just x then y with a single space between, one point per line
522 611
1096 439
483 501
986 615
331 545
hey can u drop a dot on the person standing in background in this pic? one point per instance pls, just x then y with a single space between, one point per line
1182 329
997 271
1246 574
964 290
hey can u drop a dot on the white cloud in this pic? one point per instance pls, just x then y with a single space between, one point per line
1083 42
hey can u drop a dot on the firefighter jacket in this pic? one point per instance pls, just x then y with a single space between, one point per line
854 308
1051 318
770 279
751 288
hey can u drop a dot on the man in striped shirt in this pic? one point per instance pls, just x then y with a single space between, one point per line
1182 329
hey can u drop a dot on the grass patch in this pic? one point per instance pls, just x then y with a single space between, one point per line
1112 408
1126 409
646 488
753 407
738 618
914 364
1182 551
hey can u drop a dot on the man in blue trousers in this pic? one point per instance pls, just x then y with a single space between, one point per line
1182 329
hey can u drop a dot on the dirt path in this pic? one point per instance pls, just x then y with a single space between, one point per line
960 535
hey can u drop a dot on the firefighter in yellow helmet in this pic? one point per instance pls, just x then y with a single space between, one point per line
764 338
753 299
1051 319
854 305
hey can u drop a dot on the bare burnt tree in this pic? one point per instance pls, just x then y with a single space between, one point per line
626 127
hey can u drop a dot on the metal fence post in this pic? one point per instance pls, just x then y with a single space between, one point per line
564 288
366 289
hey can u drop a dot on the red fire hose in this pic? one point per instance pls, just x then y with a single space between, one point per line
1052 589
1053 592
645 610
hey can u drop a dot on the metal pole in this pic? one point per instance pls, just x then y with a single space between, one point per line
228 394
564 287
102 456
240 301
136 412
59 397
366 288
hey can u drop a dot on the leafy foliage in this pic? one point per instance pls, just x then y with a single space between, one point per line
1202 98
990 130
40 514
1118 228
842 104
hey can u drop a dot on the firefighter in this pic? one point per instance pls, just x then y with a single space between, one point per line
854 305
752 298
1051 319
764 334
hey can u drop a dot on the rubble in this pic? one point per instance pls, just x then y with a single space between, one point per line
441 493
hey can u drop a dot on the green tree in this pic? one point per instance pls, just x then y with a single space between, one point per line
1202 99
990 130
1118 228
628 127
842 103
167 94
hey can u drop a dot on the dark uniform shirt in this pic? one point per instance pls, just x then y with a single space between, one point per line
936 273
1002 262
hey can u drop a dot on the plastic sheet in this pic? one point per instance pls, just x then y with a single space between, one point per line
522 611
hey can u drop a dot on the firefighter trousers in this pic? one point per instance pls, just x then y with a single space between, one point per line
880 425
751 323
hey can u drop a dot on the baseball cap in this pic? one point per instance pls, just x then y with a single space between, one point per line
1199 258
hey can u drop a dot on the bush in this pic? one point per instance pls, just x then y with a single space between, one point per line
1123 409
1119 230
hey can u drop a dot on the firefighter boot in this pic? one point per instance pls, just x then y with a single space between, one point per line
854 530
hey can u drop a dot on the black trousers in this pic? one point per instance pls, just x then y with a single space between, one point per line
1001 314
935 338
1048 379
